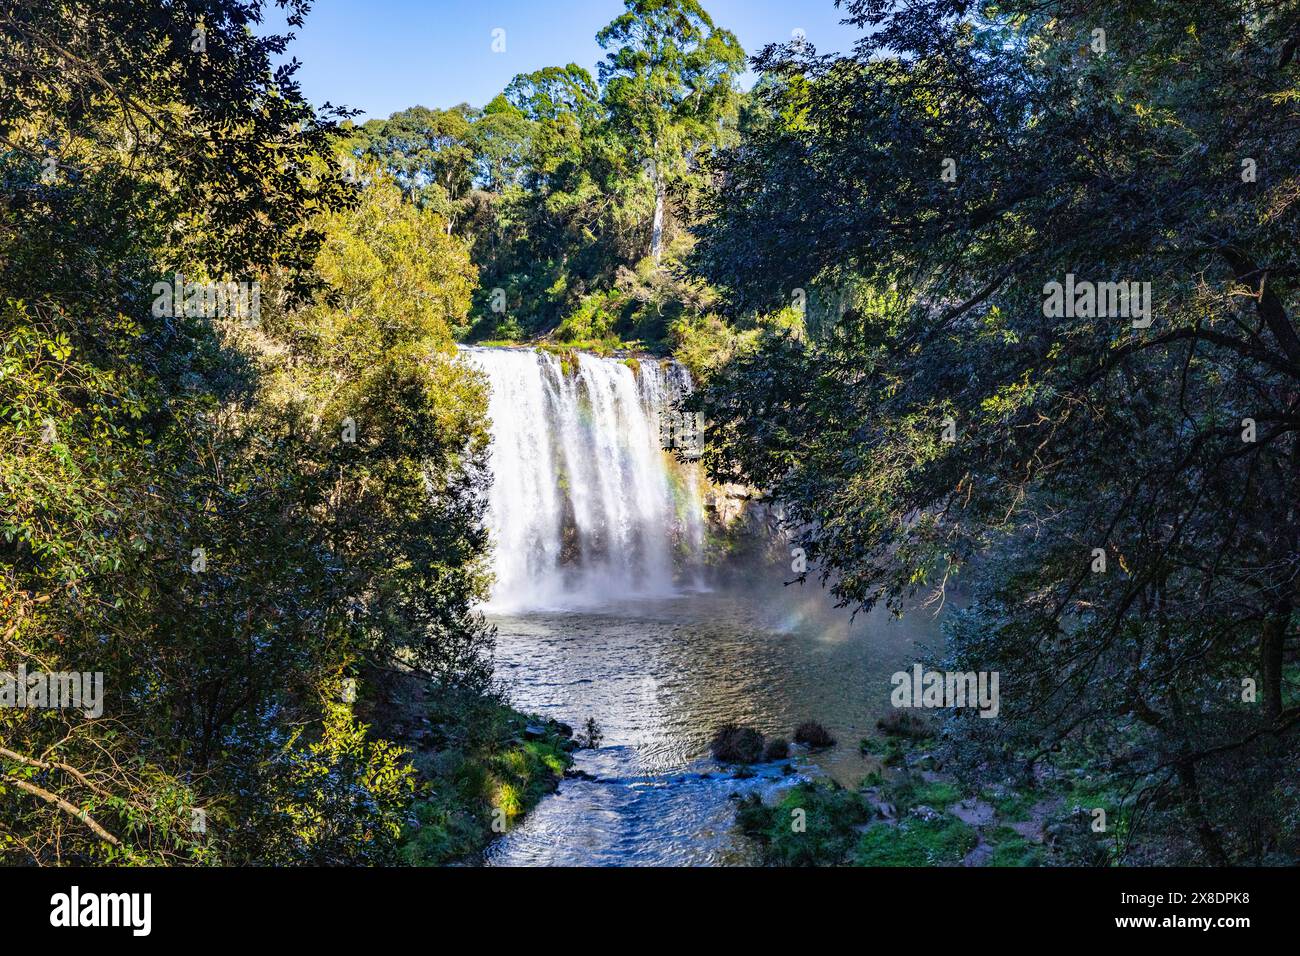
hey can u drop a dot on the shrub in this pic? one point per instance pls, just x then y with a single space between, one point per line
594 318
777 749
903 723
812 734
813 825
591 735
732 744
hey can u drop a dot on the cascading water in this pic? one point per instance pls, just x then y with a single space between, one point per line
586 507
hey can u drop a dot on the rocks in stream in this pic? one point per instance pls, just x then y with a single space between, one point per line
551 728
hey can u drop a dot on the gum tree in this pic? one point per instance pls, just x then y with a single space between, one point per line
668 82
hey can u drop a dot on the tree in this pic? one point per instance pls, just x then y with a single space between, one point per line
395 425
180 510
138 143
431 153
668 84
927 193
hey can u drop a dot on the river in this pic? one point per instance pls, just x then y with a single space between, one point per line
659 676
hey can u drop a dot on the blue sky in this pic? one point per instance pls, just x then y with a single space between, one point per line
381 56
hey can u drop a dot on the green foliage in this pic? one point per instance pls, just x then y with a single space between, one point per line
576 196
594 318
915 842
814 824
484 774
928 308
178 507
1011 849
337 799
405 508
937 795
668 83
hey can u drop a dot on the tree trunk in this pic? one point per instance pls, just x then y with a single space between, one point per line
657 228
1205 832
1270 659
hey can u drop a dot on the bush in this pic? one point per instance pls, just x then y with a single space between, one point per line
595 317
591 735
813 825
488 768
732 744
903 723
812 734
777 749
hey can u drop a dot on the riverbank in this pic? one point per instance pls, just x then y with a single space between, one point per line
660 676
909 810
916 807
481 766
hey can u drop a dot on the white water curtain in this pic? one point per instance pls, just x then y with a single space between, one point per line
585 507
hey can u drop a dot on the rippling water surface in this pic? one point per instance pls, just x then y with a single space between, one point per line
658 677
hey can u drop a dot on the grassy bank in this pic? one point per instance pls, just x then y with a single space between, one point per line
481 766
472 794
908 812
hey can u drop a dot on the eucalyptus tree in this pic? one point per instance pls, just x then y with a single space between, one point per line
1063 240
668 83
431 153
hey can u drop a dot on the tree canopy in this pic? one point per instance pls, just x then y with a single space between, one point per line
240 464
1112 475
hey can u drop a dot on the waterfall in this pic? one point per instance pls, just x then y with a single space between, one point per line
585 506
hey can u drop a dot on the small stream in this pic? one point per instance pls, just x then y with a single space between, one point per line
659 676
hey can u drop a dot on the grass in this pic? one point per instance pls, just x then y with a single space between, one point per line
1012 805
937 795
914 842
1012 849
475 789
893 754
814 824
